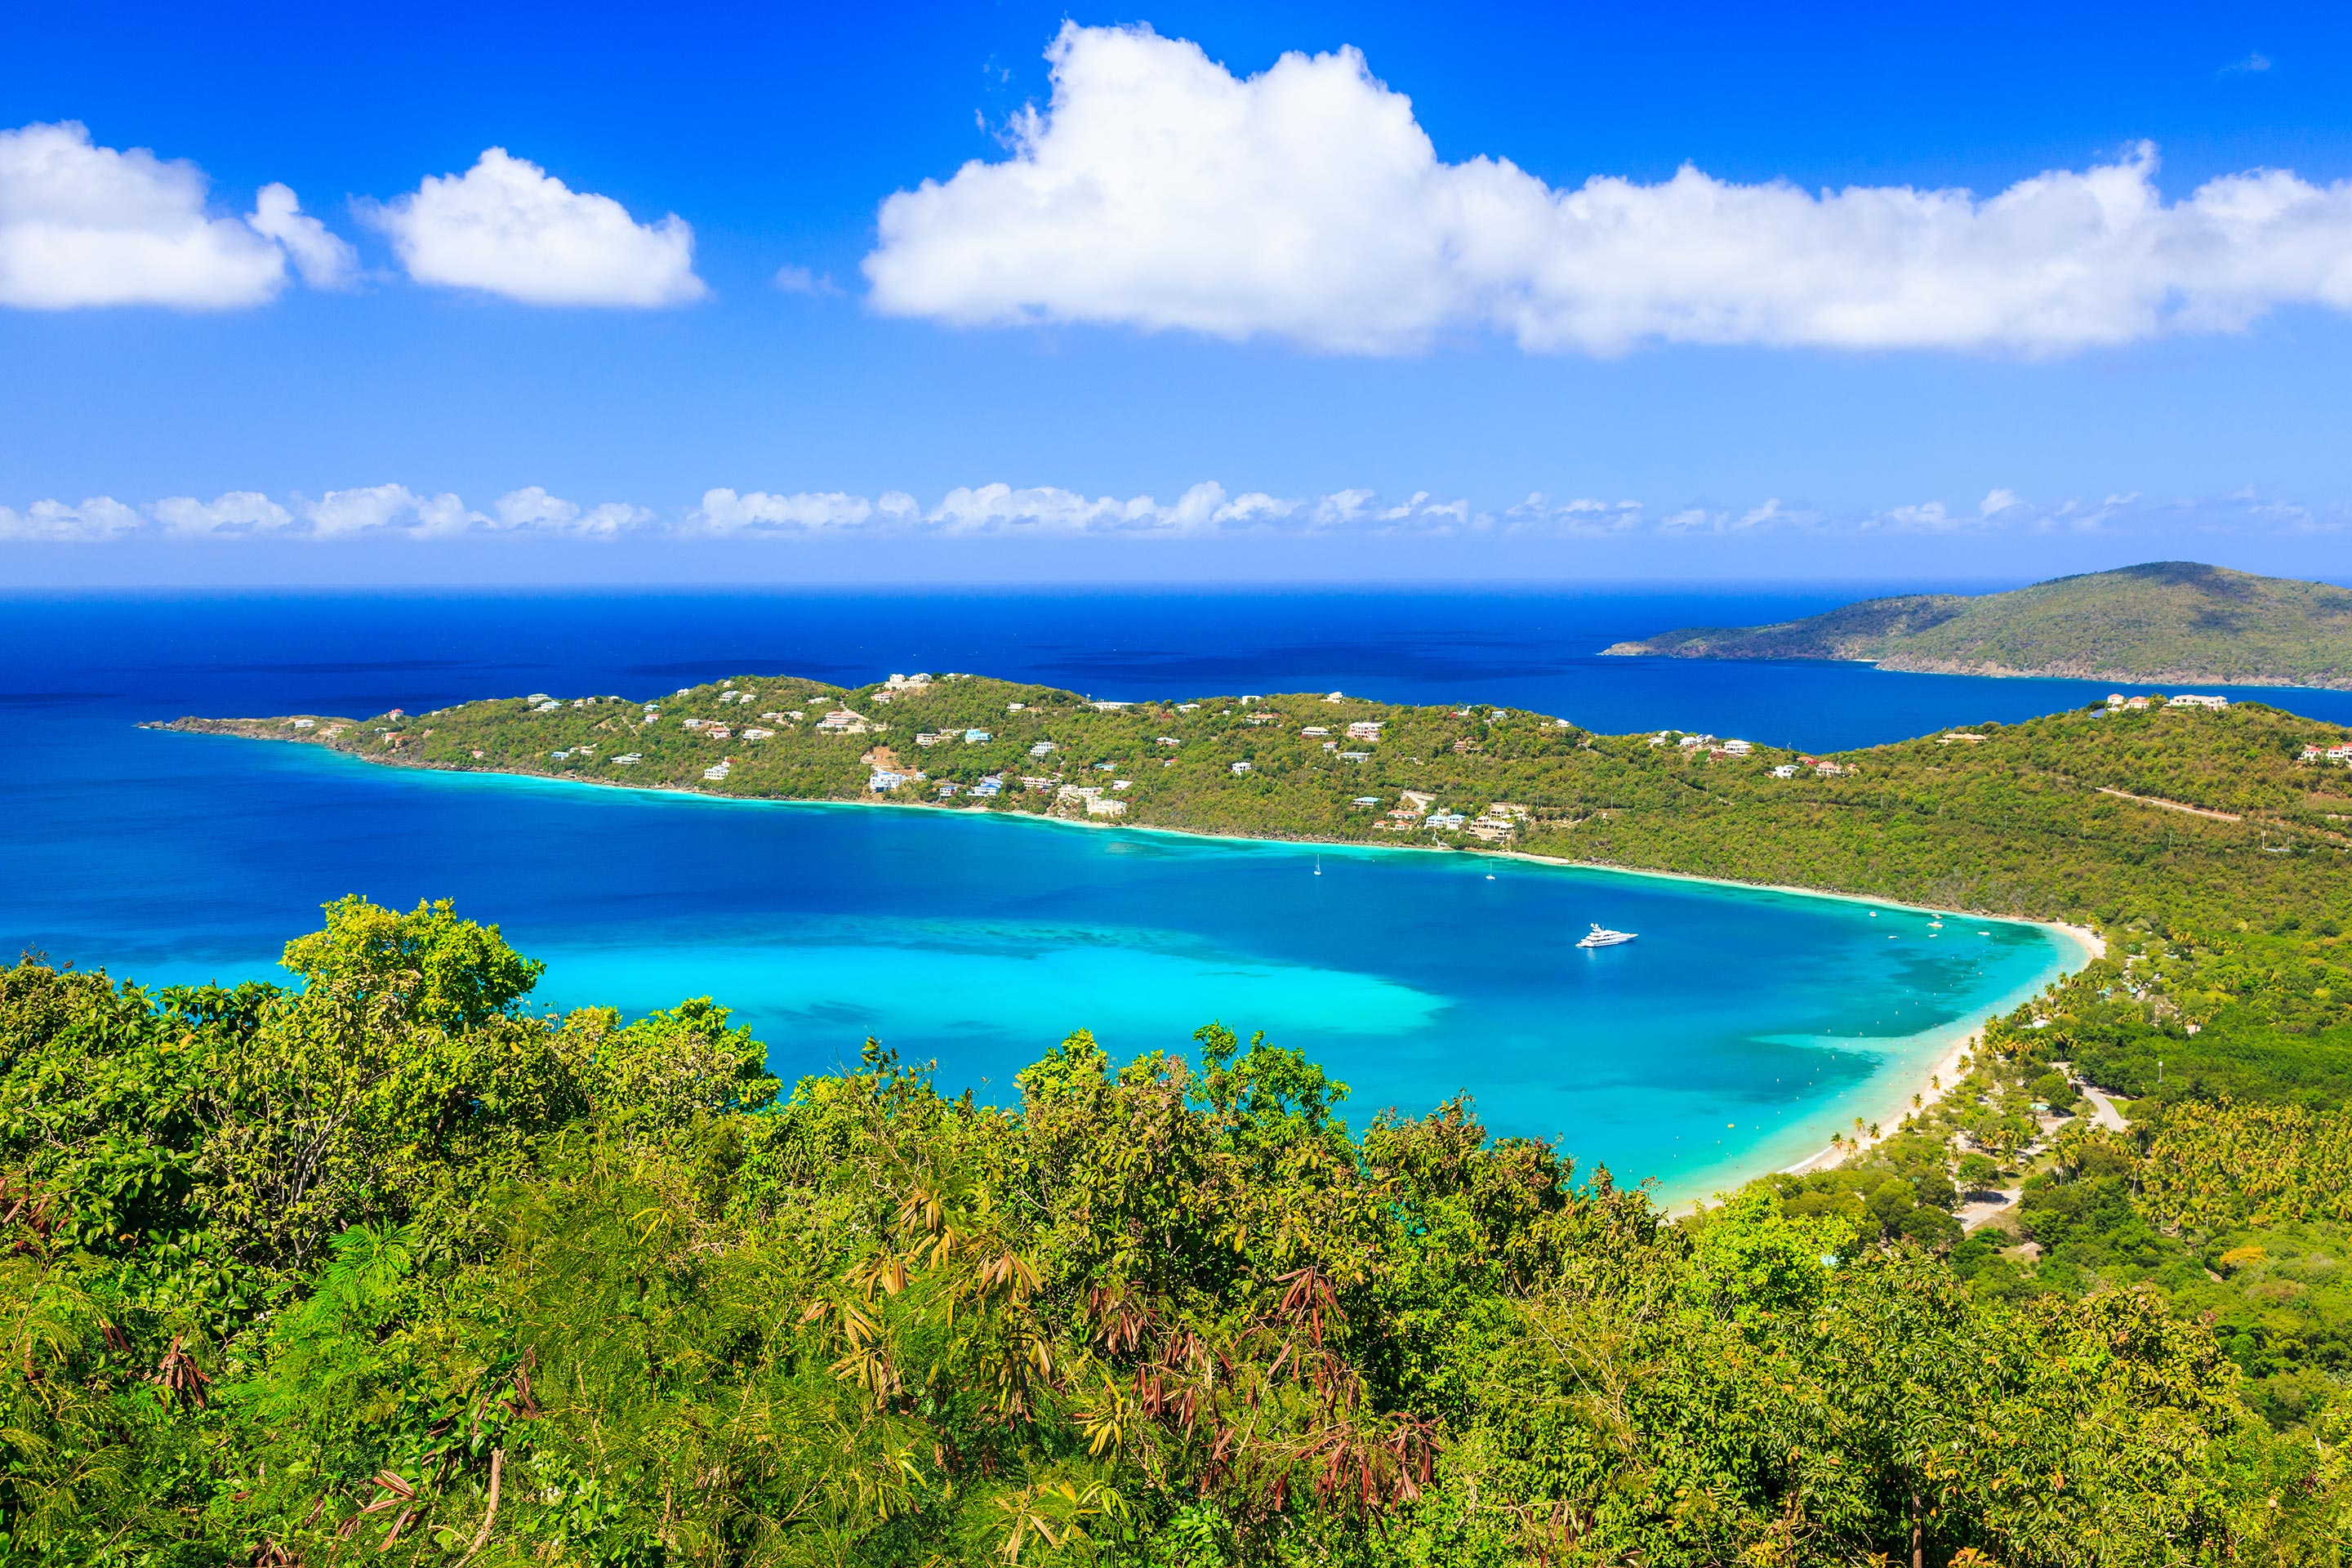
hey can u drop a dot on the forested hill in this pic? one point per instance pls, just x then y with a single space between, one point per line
2166 621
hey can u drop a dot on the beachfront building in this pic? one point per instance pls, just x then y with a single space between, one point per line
885 780
716 772
1104 805
991 786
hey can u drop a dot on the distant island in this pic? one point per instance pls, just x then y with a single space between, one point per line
2164 621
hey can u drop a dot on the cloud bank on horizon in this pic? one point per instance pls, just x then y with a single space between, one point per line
1159 191
1204 511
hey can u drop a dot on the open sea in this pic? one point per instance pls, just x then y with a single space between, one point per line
1739 1032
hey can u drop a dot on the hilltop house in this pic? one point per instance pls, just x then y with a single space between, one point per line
1365 730
2190 699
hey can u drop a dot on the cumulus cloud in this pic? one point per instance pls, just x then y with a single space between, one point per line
324 260
506 226
238 511
51 521
82 225
531 508
1158 190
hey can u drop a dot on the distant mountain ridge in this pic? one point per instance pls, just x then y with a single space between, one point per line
2162 622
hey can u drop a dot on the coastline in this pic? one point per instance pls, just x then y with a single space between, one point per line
1887 1102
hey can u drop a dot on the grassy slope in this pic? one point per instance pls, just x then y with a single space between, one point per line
2166 621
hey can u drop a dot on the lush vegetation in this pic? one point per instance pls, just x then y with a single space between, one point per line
2170 620
386 1261
387 1267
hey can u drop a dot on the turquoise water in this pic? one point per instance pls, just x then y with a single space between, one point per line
1738 1033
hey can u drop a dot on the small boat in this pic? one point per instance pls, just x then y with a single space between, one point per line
1318 865
1601 936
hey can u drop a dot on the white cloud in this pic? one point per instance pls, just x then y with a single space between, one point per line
82 225
1159 191
377 508
51 521
2256 61
724 512
324 260
801 280
506 226
531 508
238 511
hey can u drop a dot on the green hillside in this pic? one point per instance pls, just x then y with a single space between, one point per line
2164 621
389 1263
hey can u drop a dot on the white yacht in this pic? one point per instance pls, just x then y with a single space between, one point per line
1601 936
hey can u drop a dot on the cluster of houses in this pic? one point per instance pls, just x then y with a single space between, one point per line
1417 811
2340 754
2119 703
842 721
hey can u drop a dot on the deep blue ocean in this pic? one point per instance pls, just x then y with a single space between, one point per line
1740 1031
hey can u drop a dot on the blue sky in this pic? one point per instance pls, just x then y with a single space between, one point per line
1286 295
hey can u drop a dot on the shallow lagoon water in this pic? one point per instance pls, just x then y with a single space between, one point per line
1741 1029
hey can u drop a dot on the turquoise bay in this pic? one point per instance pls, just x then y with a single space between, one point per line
1736 1034
1741 1029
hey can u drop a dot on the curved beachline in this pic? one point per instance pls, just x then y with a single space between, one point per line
1886 1103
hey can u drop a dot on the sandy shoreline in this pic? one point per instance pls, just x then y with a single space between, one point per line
1930 1086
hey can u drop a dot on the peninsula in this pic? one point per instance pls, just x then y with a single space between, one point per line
2168 621
2076 816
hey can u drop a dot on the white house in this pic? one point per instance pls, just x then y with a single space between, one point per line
2190 700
